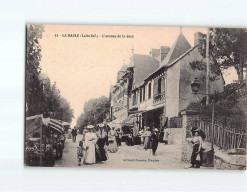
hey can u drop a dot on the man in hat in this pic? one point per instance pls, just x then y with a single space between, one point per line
154 140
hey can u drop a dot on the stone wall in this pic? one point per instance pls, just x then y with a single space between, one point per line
176 136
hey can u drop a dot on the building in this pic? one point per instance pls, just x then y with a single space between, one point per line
159 83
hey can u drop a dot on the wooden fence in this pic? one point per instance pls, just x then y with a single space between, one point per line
224 137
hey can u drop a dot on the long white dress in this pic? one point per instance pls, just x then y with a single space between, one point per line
90 141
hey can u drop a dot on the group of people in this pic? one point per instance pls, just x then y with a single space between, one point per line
150 138
96 143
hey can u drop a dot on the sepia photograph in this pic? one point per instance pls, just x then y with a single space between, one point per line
135 97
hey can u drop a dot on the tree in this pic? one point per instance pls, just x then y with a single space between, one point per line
227 48
95 111
41 96
33 57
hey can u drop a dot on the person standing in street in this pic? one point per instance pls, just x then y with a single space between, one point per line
101 142
166 134
154 140
146 136
90 142
197 149
112 141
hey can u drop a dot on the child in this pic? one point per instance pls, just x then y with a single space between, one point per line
80 153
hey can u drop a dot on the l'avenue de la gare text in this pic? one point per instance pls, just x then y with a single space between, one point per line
96 35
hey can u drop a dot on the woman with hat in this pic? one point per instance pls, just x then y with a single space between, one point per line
90 142
146 135
112 140
100 146
197 148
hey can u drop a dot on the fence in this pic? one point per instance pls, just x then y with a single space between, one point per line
225 137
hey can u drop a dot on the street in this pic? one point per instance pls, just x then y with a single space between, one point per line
167 157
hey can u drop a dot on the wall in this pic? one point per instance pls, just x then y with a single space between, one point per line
172 90
187 75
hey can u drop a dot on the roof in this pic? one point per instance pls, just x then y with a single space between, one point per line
123 68
143 66
172 63
180 46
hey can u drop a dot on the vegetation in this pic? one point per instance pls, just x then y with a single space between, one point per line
41 96
227 48
95 111
230 105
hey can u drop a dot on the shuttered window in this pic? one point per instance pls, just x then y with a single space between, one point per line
149 90
159 86
144 93
140 95
155 90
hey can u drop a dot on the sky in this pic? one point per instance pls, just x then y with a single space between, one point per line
85 67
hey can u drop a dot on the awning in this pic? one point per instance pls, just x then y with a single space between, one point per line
56 125
116 123
129 121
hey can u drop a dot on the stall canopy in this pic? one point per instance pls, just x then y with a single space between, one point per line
56 125
129 121
116 123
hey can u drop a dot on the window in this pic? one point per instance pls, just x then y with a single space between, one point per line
144 93
149 90
140 95
134 99
159 86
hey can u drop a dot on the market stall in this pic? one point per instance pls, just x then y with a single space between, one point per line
43 141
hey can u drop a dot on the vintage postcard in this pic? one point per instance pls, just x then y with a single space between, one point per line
146 97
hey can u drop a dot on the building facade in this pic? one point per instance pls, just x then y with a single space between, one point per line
158 85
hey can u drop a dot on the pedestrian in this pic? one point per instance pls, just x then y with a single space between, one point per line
146 135
100 145
75 134
80 153
196 161
90 142
154 140
118 137
112 141
166 134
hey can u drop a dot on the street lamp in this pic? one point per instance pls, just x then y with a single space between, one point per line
195 86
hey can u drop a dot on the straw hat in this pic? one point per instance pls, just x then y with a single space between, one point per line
101 125
90 127
156 129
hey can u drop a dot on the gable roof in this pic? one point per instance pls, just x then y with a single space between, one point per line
144 65
180 46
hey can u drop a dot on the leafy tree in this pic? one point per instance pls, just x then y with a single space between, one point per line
95 111
33 57
227 48
41 96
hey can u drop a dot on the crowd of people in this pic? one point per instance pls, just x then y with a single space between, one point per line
98 141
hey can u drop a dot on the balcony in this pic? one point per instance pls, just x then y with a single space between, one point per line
159 98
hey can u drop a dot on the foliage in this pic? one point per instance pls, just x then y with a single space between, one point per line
230 104
33 84
41 96
227 48
95 111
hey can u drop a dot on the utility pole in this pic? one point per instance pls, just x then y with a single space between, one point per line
208 67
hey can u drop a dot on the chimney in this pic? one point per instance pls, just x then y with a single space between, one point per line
164 51
198 40
154 53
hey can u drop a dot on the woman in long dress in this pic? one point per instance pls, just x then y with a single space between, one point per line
147 135
197 149
112 141
101 142
90 142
